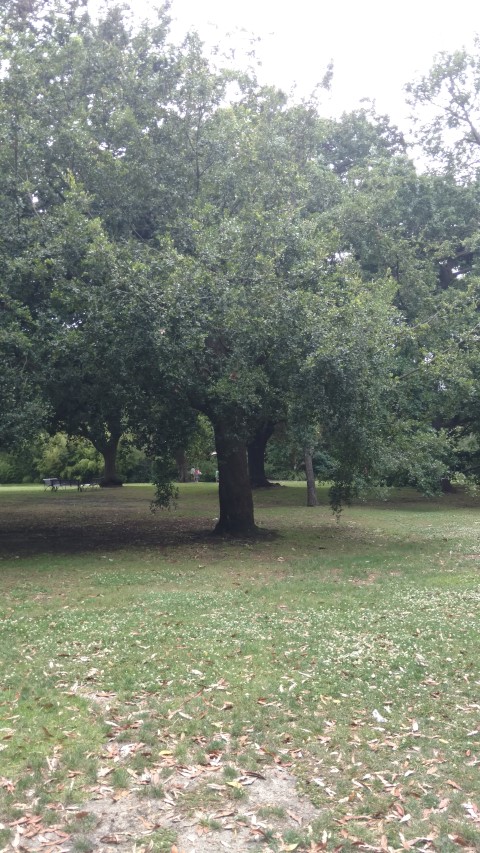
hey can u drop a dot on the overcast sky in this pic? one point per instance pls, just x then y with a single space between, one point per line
376 45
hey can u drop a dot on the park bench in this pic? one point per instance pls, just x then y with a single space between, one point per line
51 483
55 483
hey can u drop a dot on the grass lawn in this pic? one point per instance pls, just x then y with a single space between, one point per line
161 689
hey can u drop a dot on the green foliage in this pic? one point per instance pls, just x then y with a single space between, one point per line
201 444
133 465
68 457
448 110
164 474
285 456
419 457
22 409
7 469
177 239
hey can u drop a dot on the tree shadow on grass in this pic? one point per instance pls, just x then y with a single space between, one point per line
68 524
73 537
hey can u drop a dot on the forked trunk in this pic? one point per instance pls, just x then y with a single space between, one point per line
234 489
109 453
256 456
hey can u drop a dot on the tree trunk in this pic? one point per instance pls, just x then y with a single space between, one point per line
234 490
109 453
312 499
447 485
181 463
256 456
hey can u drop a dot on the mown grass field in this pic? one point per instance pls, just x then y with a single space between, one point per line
134 645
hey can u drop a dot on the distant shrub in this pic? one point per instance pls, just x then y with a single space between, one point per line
7 470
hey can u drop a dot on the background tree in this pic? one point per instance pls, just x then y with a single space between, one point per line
447 105
178 239
22 409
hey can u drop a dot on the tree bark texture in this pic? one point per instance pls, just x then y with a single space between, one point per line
109 453
182 468
447 485
256 456
312 499
234 489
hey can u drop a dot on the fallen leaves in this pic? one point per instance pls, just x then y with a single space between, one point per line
30 826
314 675
7 784
378 717
473 811
102 772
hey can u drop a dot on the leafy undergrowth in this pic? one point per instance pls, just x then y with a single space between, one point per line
342 654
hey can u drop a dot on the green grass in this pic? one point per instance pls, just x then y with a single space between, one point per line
347 651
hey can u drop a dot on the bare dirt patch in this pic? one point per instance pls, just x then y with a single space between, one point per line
370 579
272 807
126 821
196 808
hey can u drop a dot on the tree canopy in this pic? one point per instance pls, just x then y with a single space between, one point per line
177 238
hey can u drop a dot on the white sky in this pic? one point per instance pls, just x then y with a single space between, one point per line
376 46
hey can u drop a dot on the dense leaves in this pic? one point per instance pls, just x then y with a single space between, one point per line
177 239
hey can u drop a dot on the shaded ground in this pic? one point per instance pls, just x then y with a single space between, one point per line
73 522
37 522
